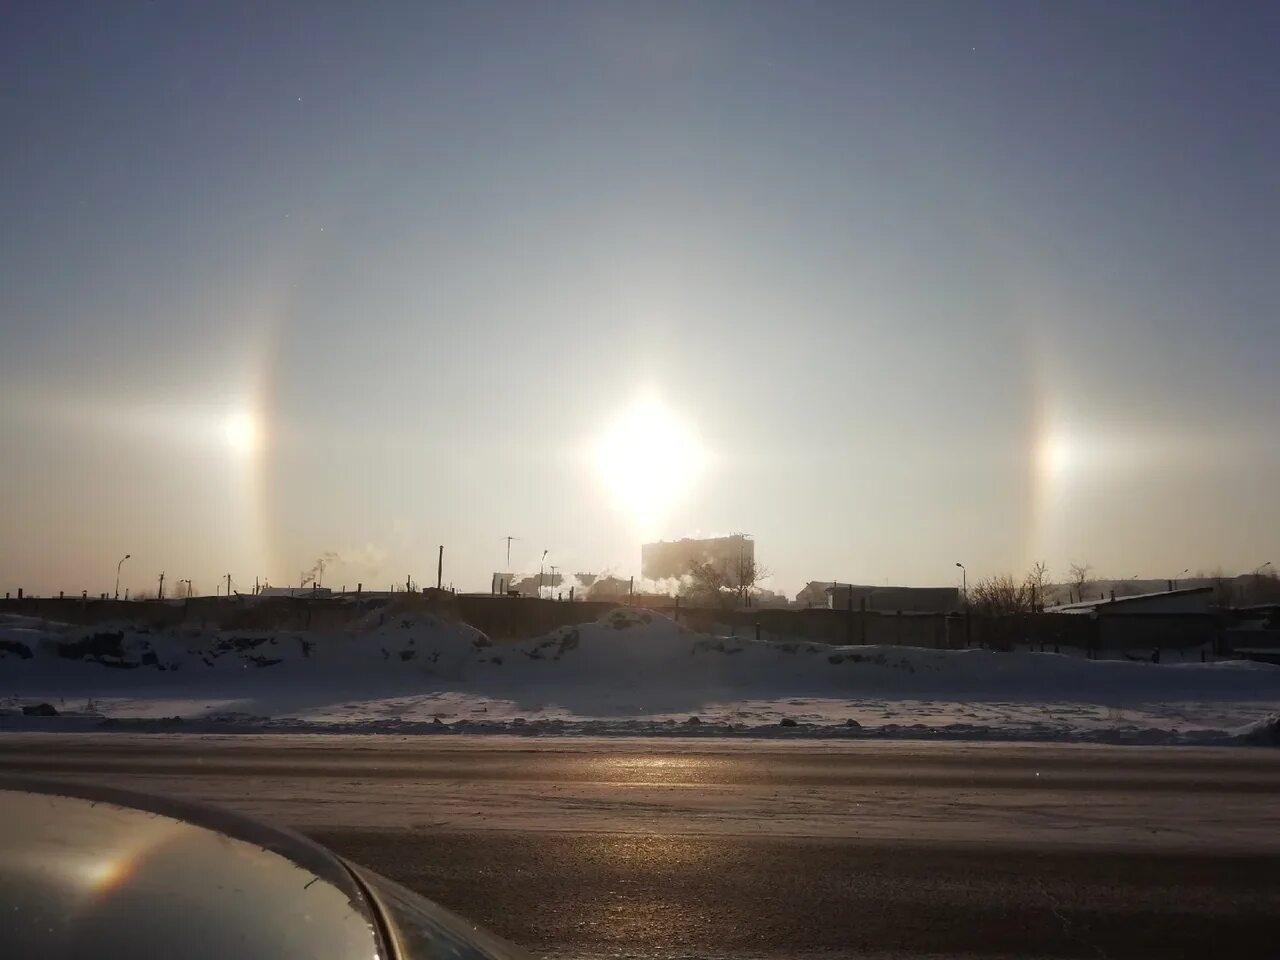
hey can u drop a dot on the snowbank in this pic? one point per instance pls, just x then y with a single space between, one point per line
631 672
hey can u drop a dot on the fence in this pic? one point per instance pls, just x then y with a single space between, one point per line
512 618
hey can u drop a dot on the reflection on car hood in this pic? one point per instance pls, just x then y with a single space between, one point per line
98 876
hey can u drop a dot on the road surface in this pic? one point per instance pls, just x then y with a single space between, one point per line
660 848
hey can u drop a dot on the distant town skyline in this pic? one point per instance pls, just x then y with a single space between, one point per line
333 578
888 287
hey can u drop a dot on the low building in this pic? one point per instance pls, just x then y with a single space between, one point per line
1187 600
308 591
814 594
844 596
609 588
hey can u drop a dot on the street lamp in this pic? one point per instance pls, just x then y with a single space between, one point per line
541 563
964 580
122 560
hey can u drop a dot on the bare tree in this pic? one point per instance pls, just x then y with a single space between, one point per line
708 585
1037 581
744 577
1081 577
1000 595
1225 590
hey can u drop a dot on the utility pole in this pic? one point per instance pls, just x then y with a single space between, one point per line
228 585
440 567
553 578
160 592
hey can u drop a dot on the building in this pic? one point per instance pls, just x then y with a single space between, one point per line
534 584
527 586
609 588
308 591
1187 600
814 594
676 558
843 596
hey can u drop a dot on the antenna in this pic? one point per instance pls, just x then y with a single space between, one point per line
509 539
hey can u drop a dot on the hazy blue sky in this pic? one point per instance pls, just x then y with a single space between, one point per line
909 283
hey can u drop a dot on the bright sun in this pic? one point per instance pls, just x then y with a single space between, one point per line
648 460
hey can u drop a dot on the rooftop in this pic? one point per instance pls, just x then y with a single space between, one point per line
1082 606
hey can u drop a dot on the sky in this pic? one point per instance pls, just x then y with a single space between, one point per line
888 286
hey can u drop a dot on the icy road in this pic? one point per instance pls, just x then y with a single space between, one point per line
655 848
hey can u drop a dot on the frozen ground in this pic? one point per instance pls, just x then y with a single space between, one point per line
632 673
732 848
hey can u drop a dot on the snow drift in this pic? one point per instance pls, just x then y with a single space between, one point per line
633 671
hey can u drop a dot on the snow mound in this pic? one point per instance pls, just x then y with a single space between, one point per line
378 643
632 672
1262 733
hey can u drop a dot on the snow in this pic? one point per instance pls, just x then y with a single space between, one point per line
633 672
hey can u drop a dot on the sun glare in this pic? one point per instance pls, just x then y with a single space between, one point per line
648 460
242 433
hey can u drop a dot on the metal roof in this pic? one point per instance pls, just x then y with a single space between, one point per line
1080 605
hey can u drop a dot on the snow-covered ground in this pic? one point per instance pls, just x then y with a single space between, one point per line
633 672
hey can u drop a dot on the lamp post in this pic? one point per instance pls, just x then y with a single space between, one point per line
964 580
118 565
541 564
